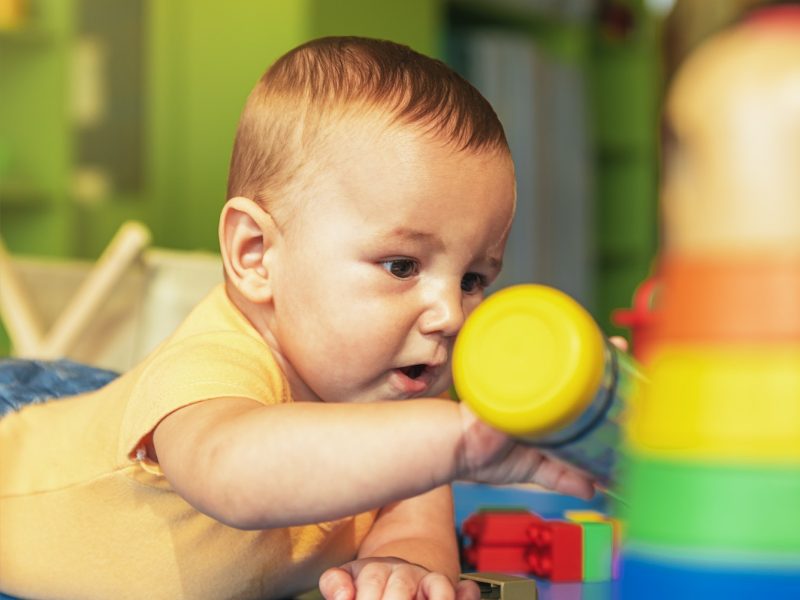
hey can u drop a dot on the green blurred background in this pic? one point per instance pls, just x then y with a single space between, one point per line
126 109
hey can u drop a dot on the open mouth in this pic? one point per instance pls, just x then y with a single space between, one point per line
413 371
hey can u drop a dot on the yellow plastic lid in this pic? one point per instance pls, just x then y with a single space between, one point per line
529 360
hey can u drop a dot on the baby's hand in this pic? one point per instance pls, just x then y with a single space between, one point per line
391 579
490 456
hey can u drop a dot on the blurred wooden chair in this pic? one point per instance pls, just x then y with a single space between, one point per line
108 314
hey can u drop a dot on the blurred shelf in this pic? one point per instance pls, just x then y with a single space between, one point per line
526 14
24 35
22 195
559 30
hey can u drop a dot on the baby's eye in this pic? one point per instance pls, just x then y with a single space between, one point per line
473 282
402 268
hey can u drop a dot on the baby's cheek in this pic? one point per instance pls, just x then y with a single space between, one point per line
444 389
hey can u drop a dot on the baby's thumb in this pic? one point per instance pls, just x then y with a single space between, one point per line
337 584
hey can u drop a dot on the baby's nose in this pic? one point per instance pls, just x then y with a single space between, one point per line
444 315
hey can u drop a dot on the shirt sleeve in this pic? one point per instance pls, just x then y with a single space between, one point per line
201 367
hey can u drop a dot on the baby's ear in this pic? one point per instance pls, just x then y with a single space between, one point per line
246 234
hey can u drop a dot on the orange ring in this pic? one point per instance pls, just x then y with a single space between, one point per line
750 299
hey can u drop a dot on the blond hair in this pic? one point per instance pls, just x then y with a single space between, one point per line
311 88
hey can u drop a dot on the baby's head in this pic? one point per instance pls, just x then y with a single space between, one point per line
370 196
292 120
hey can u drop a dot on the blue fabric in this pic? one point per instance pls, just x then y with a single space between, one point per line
34 381
25 382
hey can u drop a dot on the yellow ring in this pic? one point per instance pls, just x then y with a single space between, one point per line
738 402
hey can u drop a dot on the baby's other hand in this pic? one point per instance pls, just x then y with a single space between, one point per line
388 578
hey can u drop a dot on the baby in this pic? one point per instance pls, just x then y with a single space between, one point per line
292 431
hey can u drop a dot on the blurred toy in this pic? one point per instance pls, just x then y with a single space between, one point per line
531 361
639 318
13 14
713 469
521 542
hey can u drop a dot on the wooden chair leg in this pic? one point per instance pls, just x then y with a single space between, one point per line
23 325
125 248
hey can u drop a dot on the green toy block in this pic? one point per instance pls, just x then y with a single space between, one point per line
598 550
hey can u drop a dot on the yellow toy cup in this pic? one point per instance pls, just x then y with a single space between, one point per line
532 362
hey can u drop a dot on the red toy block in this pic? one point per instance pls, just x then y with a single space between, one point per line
556 552
512 560
500 528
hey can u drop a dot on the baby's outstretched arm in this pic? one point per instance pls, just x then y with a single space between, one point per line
255 467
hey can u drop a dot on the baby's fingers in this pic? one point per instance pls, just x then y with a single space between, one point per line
467 590
620 342
337 584
399 587
566 480
435 586
374 581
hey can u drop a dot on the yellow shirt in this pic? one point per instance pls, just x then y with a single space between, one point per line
82 517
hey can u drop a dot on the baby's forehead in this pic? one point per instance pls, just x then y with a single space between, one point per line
383 125
371 155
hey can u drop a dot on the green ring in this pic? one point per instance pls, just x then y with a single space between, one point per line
713 506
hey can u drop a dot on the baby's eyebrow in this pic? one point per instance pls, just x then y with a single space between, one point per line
432 240
416 235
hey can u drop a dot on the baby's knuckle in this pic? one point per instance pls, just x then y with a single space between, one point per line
372 577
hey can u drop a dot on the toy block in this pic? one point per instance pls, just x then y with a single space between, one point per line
598 551
556 552
499 586
591 516
502 559
585 516
500 528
